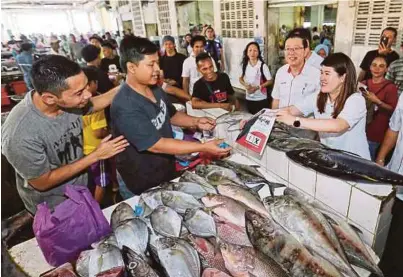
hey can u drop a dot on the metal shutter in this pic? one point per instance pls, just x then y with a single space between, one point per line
237 18
138 22
164 18
373 16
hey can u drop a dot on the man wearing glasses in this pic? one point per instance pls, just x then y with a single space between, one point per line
295 80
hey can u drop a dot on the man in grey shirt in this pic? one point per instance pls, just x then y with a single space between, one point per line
42 136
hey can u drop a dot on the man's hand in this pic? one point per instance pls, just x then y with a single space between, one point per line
285 117
109 148
212 147
205 123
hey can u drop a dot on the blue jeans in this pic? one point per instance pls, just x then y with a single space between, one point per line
123 190
373 149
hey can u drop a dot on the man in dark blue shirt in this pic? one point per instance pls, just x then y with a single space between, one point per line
142 112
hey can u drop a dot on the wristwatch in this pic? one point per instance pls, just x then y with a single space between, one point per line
297 122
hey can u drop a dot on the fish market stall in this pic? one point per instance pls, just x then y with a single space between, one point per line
242 216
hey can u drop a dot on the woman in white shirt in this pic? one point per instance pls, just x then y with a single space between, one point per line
339 111
255 78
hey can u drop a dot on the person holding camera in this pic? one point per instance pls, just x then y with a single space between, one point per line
381 97
388 37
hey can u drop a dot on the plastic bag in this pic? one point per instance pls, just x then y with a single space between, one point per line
74 225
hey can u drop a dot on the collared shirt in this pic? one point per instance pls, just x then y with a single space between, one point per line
396 124
190 71
291 90
315 60
395 74
353 140
253 76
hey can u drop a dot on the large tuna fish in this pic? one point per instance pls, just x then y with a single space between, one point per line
218 175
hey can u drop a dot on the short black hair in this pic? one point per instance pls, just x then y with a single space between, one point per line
297 35
91 74
97 38
392 29
49 74
315 29
26 46
108 44
133 49
202 56
381 57
304 33
197 38
90 53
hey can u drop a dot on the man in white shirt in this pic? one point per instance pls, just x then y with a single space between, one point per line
391 262
190 74
295 80
311 57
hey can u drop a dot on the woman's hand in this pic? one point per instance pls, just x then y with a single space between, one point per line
372 97
285 117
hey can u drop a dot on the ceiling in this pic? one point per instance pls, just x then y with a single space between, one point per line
44 4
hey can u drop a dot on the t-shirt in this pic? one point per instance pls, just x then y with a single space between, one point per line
143 123
213 47
253 76
396 124
190 71
369 57
290 90
92 122
34 144
172 67
395 74
353 140
105 63
315 60
387 92
216 91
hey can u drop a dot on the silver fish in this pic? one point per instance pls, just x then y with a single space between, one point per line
133 234
293 143
213 272
121 213
192 188
244 196
231 233
274 241
178 258
310 228
136 266
218 175
103 258
83 263
109 239
152 198
188 176
146 209
296 132
234 117
245 261
179 201
199 223
227 208
166 221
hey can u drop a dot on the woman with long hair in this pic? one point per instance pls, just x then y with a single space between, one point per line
255 78
339 110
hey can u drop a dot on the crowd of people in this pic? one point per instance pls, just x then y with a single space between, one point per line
127 125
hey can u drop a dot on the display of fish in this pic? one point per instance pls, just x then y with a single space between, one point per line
199 223
83 262
213 272
189 176
244 196
179 258
231 233
135 265
227 208
246 261
118 271
121 213
274 241
192 188
233 117
103 258
146 210
294 143
133 234
310 228
218 175
166 221
296 132
152 198
209 254
344 165
179 201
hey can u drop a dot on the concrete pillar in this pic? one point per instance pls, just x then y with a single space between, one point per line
343 39
217 17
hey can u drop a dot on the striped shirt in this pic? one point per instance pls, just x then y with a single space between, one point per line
395 74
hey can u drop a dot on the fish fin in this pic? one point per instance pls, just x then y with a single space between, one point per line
329 219
257 188
355 228
209 210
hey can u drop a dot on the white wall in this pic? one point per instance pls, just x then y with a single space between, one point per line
150 13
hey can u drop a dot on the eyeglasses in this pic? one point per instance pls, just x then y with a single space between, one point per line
293 49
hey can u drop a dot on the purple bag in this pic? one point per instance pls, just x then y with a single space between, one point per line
75 224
